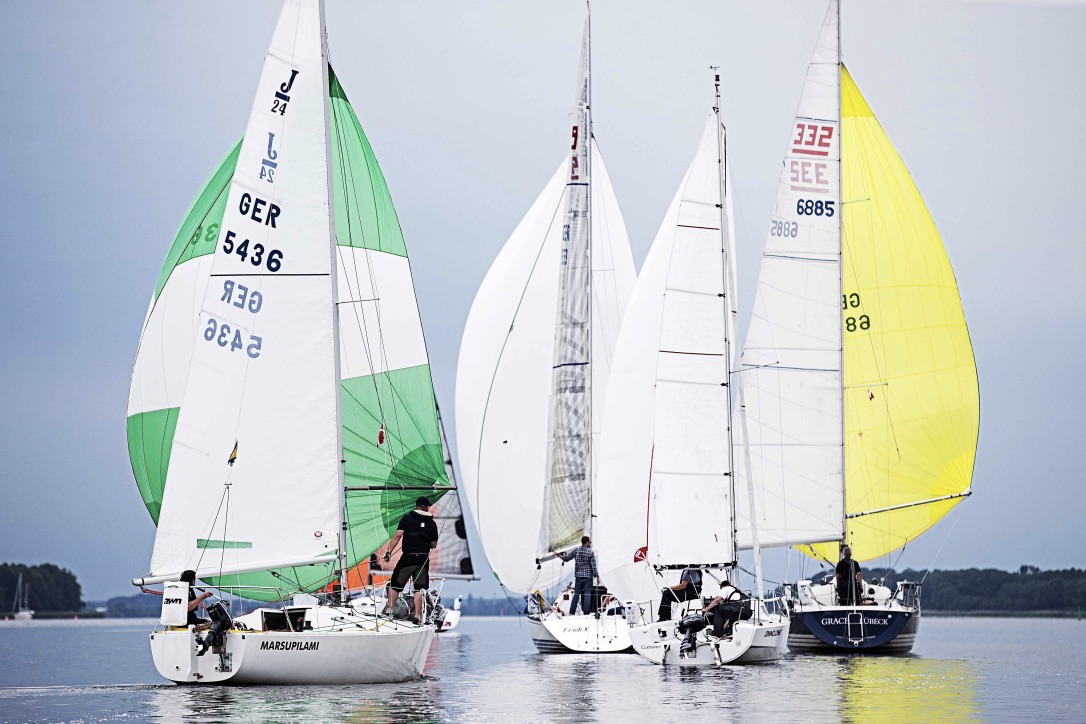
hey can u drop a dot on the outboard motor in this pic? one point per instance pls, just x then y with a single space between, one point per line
220 623
689 628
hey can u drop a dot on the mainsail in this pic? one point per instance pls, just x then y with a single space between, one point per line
904 404
665 494
304 161
519 464
567 505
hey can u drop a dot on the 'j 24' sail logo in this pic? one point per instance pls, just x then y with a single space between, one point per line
279 104
269 163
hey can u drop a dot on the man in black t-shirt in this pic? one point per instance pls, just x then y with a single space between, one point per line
417 533
848 579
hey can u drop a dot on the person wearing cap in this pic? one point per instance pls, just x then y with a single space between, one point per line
417 535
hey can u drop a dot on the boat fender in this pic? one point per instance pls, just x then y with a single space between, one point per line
175 609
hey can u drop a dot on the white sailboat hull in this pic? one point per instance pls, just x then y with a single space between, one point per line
554 633
351 651
753 642
450 620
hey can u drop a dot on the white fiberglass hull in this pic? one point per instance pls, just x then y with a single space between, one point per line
449 621
554 633
370 651
751 643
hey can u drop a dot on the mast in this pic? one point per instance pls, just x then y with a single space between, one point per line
722 181
341 542
589 391
841 274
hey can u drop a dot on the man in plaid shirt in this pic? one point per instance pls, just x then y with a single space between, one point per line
583 573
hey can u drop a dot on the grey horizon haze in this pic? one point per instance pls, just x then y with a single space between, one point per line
115 113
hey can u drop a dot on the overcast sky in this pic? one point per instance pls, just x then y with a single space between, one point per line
113 114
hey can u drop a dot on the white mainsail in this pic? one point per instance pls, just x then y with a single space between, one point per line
791 365
567 506
664 495
263 375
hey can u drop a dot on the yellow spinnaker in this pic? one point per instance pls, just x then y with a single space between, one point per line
911 399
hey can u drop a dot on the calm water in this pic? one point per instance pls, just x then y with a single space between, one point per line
487 670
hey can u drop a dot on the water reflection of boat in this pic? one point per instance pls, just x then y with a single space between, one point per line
878 688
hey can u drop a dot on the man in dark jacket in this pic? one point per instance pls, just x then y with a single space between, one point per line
417 534
848 579
687 589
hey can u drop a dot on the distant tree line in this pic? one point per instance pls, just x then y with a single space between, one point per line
51 588
990 589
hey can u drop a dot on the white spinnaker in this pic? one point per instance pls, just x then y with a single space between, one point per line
791 364
503 376
169 333
276 397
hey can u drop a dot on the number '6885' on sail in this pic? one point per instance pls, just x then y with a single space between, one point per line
281 418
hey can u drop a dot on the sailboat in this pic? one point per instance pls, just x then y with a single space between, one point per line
860 380
20 609
533 370
281 417
668 450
